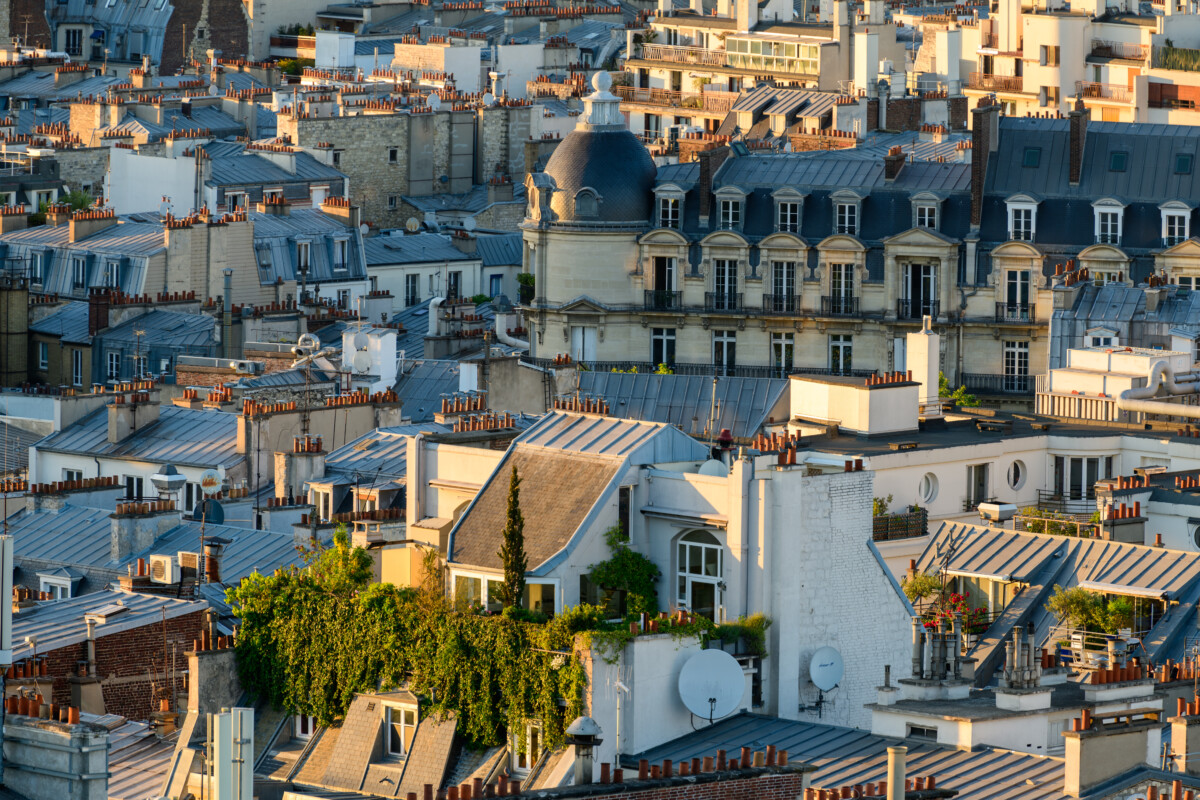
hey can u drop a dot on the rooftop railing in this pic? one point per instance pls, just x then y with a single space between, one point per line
715 102
697 56
1103 91
995 83
1102 48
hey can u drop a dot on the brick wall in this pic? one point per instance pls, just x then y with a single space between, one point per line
225 28
958 113
904 113
127 664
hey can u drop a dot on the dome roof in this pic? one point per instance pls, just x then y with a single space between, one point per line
601 172
611 166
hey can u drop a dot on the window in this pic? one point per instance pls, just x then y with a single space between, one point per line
1016 295
698 573
37 267
337 158
59 590
72 474
662 346
1020 223
788 217
339 253
1102 338
841 353
235 201
1032 158
783 346
583 342
1049 55
587 204
78 272
1103 276
1183 163
1188 282
139 366
74 41
133 487
412 290
927 217
1175 226
402 724
929 487
847 218
495 285
273 195
782 297
527 750
43 351
77 368
393 201
191 495
343 298
114 367
393 155
1117 161
920 731
1016 475
454 284
724 351
731 213
304 726
1016 367
624 510
725 285
468 592
112 274
1075 477
1108 225
1048 96
668 212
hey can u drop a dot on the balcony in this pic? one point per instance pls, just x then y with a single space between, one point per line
1103 91
995 83
989 41
1183 59
1102 48
1108 238
786 304
1171 241
978 383
723 302
693 56
916 309
1014 312
909 525
712 102
662 300
839 306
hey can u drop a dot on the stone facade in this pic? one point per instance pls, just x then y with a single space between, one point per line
83 169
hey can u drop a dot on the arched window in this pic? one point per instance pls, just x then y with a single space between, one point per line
699 568
586 204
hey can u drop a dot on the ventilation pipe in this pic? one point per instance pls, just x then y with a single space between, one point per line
1162 376
227 319
434 305
503 337
895 772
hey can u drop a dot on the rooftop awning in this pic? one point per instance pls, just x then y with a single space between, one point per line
1128 591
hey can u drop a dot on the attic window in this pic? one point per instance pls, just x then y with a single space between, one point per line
1117 161
1183 163
365 444
104 613
1032 158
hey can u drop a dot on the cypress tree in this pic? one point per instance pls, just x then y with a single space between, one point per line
512 552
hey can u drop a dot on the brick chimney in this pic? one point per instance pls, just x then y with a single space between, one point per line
893 162
128 416
1079 120
710 162
985 138
98 303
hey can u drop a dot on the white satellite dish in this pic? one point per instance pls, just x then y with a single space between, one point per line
711 684
361 341
468 224
826 668
361 361
211 482
412 225
435 102
714 468
489 99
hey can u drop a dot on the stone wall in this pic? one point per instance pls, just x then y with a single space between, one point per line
83 169
221 24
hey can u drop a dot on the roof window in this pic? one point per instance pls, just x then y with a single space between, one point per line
1117 161
1183 163
1033 157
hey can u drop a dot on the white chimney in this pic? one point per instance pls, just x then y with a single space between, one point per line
895 772
923 354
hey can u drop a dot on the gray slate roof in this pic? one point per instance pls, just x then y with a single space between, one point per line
423 386
417 248
500 251
170 328
181 436
69 322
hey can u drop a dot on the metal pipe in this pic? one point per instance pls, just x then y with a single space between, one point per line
895 772
227 318
1162 376
918 629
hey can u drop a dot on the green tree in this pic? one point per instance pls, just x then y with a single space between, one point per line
1077 607
629 571
340 568
960 396
512 552
919 587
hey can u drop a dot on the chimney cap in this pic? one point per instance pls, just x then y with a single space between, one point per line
584 728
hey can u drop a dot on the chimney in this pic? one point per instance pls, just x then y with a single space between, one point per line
985 138
305 463
1154 298
1079 120
89 221
136 526
341 209
212 559
464 243
13 218
98 301
58 214
127 414
893 162
924 350
698 7
1099 747
747 14
895 772
1185 739
710 162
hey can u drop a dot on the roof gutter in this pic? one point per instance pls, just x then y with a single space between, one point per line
1162 376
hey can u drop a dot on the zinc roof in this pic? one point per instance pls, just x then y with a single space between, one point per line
378 454
422 387
181 436
233 166
612 437
166 328
848 757
742 404
500 251
839 173
70 323
995 554
417 248
124 238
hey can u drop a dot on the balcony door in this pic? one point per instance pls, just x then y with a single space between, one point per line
583 343
725 284
841 288
918 291
1016 294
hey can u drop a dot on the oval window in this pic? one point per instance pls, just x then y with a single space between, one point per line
929 487
1016 475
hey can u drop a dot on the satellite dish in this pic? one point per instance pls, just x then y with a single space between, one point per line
469 224
435 102
826 668
361 341
361 361
364 229
310 341
489 99
210 482
714 468
711 684
412 225
209 511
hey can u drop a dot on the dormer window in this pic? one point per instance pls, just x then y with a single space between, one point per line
1102 337
925 210
587 205
1176 222
789 204
340 246
927 217
401 725
1108 218
731 214
846 207
668 212
1022 218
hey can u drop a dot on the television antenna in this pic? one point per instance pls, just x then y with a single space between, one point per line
711 684
825 670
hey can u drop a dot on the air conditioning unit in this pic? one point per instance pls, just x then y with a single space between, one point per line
163 569
247 367
997 512
189 560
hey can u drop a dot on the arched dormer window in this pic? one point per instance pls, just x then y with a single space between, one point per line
847 210
669 206
587 204
1109 216
926 208
789 204
1022 217
731 208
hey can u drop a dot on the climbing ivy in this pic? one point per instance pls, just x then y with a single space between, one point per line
630 571
310 640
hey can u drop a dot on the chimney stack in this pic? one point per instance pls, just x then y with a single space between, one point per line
98 302
985 138
895 772
1078 138
893 162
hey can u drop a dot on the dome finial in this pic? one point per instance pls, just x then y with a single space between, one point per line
602 81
